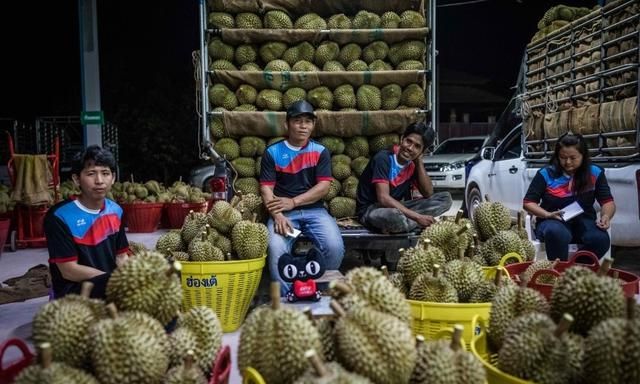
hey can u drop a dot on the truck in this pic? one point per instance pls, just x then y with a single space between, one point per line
583 78
247 46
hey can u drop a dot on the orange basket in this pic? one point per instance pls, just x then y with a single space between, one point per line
176 212
142 217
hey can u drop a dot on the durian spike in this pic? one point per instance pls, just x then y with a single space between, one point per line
631 308
486 198
385 271
436 270
189 359
86 288
337 308
605 266
563 325
419 340
459 216
174 267
316 363
464 229
456 338
340 287
45 355
112 310
275 295
426 243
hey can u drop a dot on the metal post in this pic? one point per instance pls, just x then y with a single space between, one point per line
90 70
204 97
435 103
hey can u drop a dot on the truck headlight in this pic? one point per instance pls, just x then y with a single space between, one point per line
452 166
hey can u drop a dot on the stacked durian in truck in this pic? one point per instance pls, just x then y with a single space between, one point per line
364 65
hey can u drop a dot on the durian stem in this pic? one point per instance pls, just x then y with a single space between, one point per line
385 271
132 178
563 325
419 340
436 270
174 267
519 223
203 236
337 308
486 198
464 229
426 243
476 240
615 275
456 338
45 354
228 256
254 217
459 216
497 280
188 360
460 253
275 295
86 288
631 308
316 363
472 251
604 268
112 310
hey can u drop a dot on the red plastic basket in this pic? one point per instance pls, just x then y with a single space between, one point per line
176 212
4 232
142 217
628 281
9 373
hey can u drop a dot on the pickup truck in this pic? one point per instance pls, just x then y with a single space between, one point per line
565 86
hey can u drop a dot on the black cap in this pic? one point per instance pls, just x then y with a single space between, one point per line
300 107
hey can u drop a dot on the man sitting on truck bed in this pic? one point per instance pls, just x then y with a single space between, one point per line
295 175
386 183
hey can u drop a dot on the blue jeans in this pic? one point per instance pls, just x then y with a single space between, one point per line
557 235
317 225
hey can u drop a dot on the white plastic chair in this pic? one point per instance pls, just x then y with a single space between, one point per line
541 254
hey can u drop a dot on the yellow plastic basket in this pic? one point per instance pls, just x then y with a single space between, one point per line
488 359
227 287
490 272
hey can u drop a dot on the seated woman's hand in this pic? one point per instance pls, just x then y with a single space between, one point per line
604 222
555 215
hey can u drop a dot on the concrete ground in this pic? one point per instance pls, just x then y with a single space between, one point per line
15 318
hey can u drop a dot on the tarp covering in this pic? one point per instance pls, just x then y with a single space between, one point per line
342 124
341 36
322 7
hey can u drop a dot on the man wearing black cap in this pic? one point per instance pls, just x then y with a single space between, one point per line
384 199
295 175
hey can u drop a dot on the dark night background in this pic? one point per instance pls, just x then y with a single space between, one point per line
146 68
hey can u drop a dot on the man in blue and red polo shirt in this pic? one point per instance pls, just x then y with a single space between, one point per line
384 201
85 234
295 175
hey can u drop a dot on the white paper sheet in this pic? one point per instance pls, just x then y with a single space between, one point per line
572 210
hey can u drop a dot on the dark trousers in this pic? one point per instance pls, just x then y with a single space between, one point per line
391 220
99 287
557 235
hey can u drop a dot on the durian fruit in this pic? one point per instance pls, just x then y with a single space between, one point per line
273 341
310 21
612 348
181 341
207 331
434 288
357 66
219 94
391 94
250 67
251 146
277 19
247 185
246 20
359 164
349 53
350 187
590 297
324 325
129 347
221 20
386 140
373 344
534 267
420 259
356 146
500 244
250 239
245 53
334 188
333 66
229 100
446 362
510 302
412 19
410 65
449 237
65 323
465 276
413 96
245 166
192 226
344 96
220 50
389 19
534 348
223 215
326 51
340 166
271 50
340 207
48 372
397 279
366 20
246 94
320 97
328 373
376 50
269 99
368 98
227 147
277 65
334 144
487 289
202 249
304 66
491 217
148 284
186 373
292 95
339 21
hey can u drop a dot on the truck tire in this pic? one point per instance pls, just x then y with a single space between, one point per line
474 198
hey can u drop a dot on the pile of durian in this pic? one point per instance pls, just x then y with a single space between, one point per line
228 232
557 17
84 340
348 161
587 333
367 340
130 192
446 265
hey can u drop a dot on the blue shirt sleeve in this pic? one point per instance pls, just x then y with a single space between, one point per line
536 189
